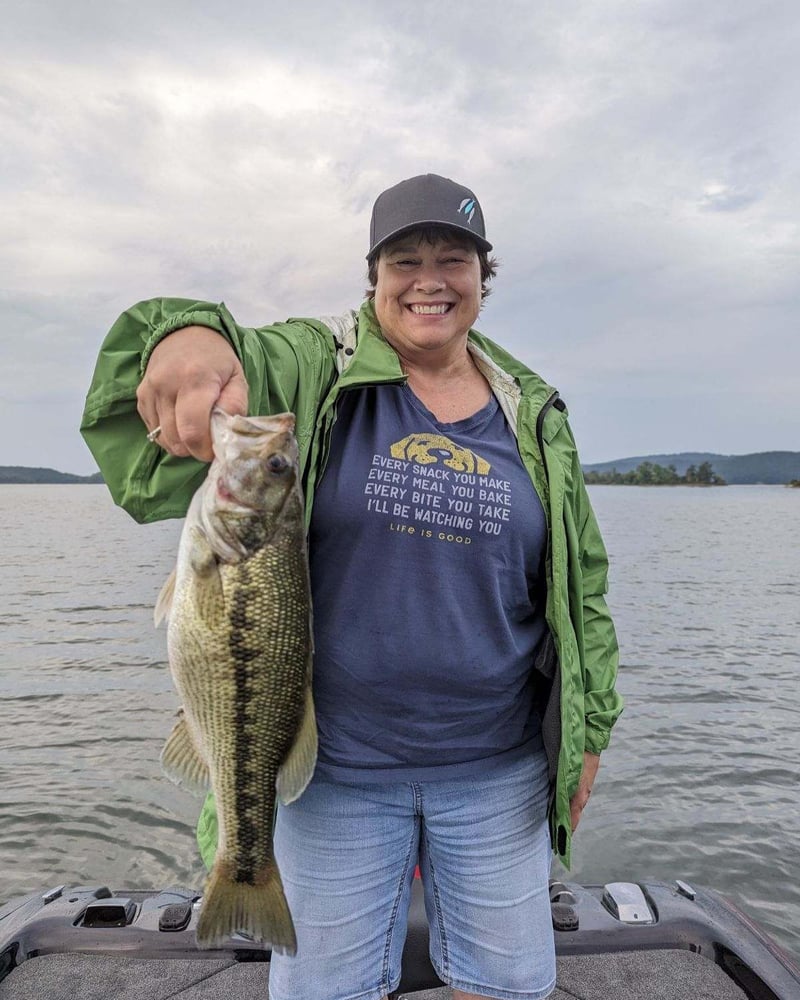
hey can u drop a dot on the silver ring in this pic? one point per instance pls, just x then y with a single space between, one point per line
153 434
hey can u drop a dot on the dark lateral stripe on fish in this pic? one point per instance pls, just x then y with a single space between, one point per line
243 655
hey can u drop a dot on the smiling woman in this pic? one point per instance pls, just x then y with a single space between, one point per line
465 661
427 297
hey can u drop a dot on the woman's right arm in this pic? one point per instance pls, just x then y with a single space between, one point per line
167 362
190 372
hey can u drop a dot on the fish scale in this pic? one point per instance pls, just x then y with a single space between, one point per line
266 685
240 653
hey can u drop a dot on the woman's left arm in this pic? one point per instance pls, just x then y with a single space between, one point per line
602 702
591 763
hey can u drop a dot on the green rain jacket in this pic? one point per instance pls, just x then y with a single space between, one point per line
302 366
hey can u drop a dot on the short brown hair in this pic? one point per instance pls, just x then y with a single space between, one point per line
432 235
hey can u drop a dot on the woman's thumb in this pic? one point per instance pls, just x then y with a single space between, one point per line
234 395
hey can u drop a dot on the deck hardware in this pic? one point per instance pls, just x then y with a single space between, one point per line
565 917
175 917
559 893
52 894
685 889
89 891
626 902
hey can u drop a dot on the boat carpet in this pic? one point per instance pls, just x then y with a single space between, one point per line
634 975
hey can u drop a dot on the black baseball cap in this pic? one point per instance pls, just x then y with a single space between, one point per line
426 200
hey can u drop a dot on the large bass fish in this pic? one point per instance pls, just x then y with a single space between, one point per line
240 649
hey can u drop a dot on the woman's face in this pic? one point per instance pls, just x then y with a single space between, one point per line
427 296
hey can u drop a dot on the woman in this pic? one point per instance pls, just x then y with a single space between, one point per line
464 657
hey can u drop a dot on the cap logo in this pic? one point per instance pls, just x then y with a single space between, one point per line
467 206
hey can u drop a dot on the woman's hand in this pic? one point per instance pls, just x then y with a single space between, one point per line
591 762
190 372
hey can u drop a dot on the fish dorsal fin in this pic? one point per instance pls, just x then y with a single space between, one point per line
181 759
164 602
296 771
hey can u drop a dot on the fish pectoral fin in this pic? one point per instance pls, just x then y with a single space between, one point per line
206 579
201 555
181 759
164 602
296 771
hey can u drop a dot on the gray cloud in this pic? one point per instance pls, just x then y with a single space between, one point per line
636 164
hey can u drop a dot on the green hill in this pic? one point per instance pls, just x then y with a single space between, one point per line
22 474
770 467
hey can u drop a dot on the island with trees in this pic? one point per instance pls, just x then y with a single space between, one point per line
652 474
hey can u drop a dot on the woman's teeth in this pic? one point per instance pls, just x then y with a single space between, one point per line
430 310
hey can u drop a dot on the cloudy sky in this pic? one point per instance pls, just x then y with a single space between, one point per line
637 162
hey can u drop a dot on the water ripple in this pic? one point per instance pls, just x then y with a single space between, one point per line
698 783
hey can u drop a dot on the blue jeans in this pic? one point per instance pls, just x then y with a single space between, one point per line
347 854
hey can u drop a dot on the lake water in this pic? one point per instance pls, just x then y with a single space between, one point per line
700 781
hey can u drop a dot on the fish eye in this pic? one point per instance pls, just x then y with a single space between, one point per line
277 463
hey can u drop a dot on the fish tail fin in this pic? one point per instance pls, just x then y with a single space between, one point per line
257 908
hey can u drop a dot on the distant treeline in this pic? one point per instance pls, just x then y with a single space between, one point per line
776 467
652 474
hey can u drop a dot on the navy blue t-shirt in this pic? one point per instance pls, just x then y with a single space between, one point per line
427 545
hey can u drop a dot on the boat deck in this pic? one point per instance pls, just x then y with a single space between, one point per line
642 975
620 941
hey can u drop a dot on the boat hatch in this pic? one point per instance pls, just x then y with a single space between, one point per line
626 902
115 912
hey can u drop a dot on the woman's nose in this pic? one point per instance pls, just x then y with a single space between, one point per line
429 280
